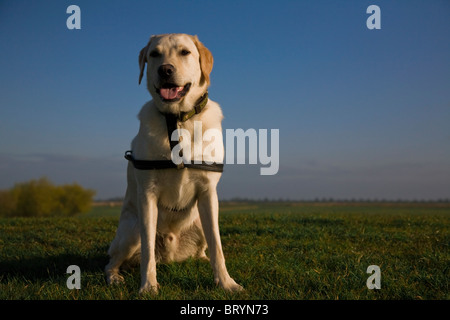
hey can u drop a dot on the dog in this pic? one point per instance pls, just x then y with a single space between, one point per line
171 214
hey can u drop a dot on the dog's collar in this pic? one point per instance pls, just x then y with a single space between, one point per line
172 120
199 106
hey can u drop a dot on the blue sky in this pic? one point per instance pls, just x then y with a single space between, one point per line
362 113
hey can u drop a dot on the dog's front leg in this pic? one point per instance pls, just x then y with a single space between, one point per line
148 215
208 206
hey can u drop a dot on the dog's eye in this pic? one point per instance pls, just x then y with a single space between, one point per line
185 52
154 54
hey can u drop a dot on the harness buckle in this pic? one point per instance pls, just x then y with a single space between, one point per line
128 155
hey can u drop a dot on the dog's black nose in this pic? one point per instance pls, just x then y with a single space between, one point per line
166 70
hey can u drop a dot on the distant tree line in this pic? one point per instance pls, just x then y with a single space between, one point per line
41 198
315 200
339 200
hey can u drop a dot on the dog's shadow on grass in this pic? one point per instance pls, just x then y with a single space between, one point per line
51 267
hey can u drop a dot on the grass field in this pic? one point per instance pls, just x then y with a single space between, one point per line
275 250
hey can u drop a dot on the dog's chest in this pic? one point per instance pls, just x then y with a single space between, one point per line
175 189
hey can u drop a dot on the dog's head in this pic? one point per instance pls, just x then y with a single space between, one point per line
178 69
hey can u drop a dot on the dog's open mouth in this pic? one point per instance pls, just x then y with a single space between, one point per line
170 92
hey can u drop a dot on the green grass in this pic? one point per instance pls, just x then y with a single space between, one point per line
276 251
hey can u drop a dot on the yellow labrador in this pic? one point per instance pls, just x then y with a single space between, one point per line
170 214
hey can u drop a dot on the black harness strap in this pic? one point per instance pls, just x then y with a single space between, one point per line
172 124
168 164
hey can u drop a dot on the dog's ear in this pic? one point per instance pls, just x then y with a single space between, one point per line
206 60
143 59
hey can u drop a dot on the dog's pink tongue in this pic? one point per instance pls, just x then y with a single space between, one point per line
170 93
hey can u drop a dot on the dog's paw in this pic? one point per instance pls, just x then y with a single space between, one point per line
230 285
148 288
233 287
114 278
